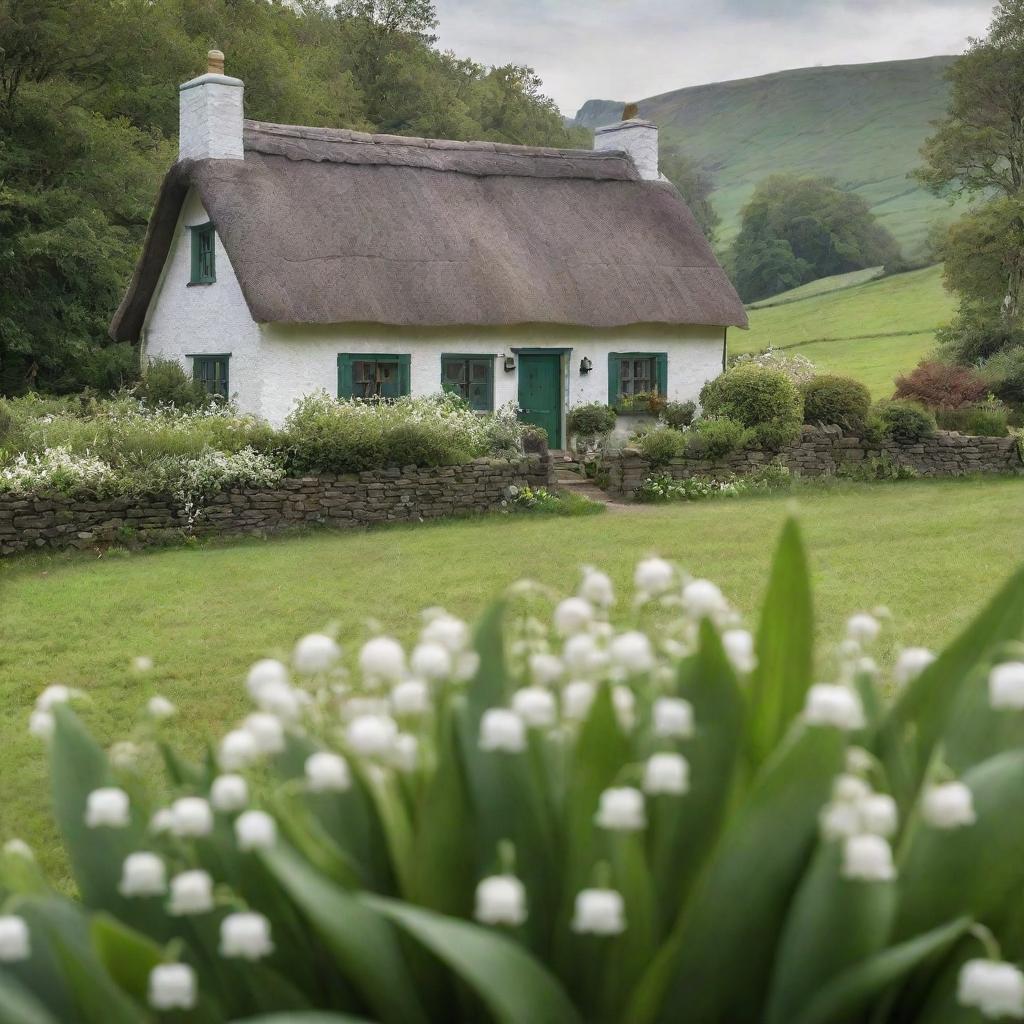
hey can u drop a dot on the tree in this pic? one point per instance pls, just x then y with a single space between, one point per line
695 185
794 230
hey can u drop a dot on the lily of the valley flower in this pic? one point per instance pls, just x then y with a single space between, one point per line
41 724
382 660
632 652
868 858
502 731
834 705
255 830
431 660
573 615
143 874
172 987
191 817
246 936
327 772
597 588
14 939
863 628
546 669
266 672
448 631
879 814
672 717
501 899
535 706
703 599
411 697
191 893
948 805
993 987
621 809
229 793
159 707
315 653
849 788
266 730
840 820
107 807
371 735
910 663
739 649
577 697
624 703
666 774
653 577
405 752
238 749
19 848
599 912
1006 686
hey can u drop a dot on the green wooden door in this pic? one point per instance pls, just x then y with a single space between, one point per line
540 393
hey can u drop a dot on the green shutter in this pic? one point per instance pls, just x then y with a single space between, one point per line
203 251
613 378
662 358
344 376
404 365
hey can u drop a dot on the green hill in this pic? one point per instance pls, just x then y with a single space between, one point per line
860 124
871 331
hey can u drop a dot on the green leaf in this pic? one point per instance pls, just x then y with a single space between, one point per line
920 716
19 1006
489 688
833 924
716 964
364 946
848 994
127 956
302 1017
514 985
785 655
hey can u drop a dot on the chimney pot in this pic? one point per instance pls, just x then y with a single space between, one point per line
215 62
630 110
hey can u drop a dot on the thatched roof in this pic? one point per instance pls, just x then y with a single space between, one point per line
327 226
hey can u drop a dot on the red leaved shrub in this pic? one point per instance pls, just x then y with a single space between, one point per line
941 385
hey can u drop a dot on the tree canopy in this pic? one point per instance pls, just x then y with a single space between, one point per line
695 185
89 120
794 230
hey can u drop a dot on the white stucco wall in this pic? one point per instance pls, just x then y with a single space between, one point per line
210 110
211 319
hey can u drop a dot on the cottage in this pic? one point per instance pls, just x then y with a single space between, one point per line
281 260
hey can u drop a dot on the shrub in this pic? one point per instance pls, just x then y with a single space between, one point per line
906 422
643 402
406 865
937 384
1004 374
535 440
776 435
166 383
660 444
714 437
753 395
679 414
798 368
593 420
695 488
983 419
831 399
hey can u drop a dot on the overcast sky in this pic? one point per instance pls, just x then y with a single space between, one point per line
632 49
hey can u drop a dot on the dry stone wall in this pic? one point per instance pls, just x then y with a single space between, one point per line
825 451
57 521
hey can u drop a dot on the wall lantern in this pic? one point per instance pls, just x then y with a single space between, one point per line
510 364
586 365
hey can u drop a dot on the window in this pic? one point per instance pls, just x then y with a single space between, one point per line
636 373
471 378
373 376
212 373
204 270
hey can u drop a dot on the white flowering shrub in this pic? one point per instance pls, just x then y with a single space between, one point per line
55 469
582 811
798 368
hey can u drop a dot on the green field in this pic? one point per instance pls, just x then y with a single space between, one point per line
861 124
822 286
871 331
931 551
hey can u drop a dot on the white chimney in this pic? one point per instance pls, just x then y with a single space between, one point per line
636 138
210 114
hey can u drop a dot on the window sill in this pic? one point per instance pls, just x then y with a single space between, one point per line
199 284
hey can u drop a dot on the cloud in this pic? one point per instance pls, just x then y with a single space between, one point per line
631 49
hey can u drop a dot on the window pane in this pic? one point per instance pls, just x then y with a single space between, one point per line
481 371
455 371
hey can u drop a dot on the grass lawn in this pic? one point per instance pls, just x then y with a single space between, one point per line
931 551
872 331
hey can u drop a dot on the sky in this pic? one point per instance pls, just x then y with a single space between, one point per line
631 49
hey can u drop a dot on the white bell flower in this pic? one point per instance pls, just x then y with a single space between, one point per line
280 700
573 615
535 706
382 660
327 772
124 754
15 944
653 577
878 814
910 663
314 653
834 705
42 724
621 809
868 858
255 830
411 697
19 848
546 669
703 599
467 664
107 807
431 661
500 899
672 717
229 793
666 773
1006 686
863 628
143 874
245 935
55 694
739 649
405 754
161 821
858 761
191 817
597 588
948 805
191 893
624 704
266 672
849 650
238 749
502 731
577 697
581 655
142 663
632 652
371 735
849 788
266 730
172 987
840 820
994 988
159 707
599 912
448 631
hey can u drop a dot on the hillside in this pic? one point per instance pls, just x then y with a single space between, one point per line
860 124
870 331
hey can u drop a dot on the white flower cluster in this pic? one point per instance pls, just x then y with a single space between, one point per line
863 820
58 469
993 987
